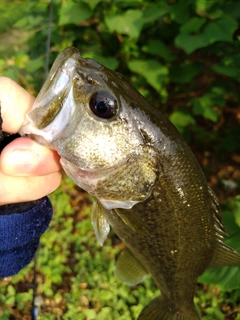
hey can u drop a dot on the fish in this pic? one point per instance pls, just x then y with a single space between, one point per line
146 182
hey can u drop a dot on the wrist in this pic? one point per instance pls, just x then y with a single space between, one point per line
21 226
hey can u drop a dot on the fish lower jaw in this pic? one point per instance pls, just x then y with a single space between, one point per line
85 178
41 137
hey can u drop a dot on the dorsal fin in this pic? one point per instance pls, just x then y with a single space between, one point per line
129 270
223 254
216 211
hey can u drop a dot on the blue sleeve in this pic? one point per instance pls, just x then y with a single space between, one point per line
21 226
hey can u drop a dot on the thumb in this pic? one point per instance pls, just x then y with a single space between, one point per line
24 157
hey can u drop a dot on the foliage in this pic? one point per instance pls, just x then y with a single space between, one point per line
183 56
227 278
76 275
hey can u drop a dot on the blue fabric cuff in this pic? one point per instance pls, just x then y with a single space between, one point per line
19 236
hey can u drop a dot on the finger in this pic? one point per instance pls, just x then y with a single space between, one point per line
15 103
27 188
24 157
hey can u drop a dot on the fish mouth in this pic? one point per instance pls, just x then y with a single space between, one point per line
55 104
49 114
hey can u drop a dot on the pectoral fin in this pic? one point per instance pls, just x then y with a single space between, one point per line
99 222
129 270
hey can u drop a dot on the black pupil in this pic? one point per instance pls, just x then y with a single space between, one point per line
103 105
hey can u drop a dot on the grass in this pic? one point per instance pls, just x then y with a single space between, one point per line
75 275
11 38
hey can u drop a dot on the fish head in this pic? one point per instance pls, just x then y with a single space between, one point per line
90 116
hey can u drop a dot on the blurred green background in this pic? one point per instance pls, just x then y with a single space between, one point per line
184 57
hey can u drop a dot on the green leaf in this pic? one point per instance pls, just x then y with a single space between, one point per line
90 313
10 301
155 12
234 239
193 25
48 292
231 72
29 21
209 8
11 290
184 73
108 62
230 223
215 14
233 209
237 210
153 71
130 23
74 13
179 12
56 278
204 105
34 65
214 313
218 30
205 4
93 3
12 73
158 48
181 118
126 3
232 9
229 66
226 278
189 43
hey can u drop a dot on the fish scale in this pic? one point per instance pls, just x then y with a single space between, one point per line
155 251
146 182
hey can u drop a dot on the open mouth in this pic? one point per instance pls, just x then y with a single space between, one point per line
51 110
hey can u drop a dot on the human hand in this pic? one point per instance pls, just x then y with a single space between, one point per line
28 171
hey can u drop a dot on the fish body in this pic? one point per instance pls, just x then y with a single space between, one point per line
147 183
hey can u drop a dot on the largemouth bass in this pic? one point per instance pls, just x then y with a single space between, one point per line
146 181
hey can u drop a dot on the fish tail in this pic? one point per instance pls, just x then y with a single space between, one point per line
159 309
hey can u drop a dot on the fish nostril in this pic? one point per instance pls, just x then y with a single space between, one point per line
92 81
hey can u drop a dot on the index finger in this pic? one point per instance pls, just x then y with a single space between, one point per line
15 103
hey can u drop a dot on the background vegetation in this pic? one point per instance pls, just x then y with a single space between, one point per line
184 57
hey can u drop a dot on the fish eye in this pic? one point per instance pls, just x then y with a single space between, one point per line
103 104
